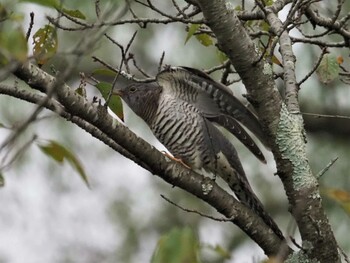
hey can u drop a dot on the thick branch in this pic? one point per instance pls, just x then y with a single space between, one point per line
288 57
285 130
313 14
54 106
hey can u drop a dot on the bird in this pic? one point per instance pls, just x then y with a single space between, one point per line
184 107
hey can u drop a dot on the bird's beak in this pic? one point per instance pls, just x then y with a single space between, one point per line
117 92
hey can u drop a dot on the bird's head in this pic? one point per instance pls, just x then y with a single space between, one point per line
142 98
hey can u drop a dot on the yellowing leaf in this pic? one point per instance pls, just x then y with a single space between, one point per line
328 70
341 197
45 44
59 153
115 103
177 246
276 61
340 60
205 39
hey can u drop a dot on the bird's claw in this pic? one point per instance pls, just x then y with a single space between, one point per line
175 159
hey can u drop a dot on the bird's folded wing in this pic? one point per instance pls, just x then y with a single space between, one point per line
212 98
236 129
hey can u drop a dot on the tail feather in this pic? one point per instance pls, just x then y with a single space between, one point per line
247 197
228 166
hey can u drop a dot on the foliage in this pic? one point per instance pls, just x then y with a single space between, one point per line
177 246
59 153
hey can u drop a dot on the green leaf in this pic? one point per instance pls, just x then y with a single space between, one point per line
2 180
104 72
328 70
55 4
177 246
48 3
222 252
13 43
191 30
59 153
3 12
3 126
74 13
45 44
81 91
205 39
221 56
264 26
269 2
115 103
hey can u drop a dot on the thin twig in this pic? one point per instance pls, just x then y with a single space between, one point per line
160 65
180 12
317 115
31 23
138 67
318 62
139 21
346 258
123 73
324 170
224 65
120 67
97 8
219 219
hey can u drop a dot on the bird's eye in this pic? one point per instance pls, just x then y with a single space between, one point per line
132 89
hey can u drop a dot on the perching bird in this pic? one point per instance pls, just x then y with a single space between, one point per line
182 108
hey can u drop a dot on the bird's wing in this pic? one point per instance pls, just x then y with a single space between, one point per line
236 129
215 101
222 153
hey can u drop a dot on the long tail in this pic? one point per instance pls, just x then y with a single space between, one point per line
232 172
245 194
228 165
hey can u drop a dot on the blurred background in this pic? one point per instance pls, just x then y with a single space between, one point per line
47 212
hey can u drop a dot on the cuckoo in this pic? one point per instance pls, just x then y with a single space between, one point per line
183 108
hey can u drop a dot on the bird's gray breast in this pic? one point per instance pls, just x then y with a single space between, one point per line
178 125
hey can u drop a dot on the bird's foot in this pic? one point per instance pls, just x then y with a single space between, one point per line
175 159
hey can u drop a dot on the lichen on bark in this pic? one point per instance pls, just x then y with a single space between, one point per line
291 142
